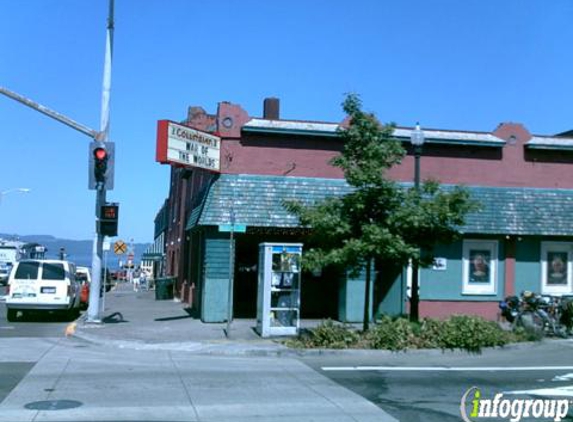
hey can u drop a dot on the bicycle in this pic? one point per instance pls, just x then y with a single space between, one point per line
541 315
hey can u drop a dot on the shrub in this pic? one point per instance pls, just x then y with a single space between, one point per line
470 333
429 332
464 332
327 335
391 334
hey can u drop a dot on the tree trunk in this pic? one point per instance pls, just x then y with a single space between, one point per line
414 293
366 322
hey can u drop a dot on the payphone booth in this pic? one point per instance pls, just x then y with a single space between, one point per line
278 296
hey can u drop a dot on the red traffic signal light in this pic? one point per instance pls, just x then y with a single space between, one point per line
100 154
100 164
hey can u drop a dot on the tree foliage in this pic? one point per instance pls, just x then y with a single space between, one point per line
379 218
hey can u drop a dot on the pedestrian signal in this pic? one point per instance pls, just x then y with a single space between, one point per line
108 219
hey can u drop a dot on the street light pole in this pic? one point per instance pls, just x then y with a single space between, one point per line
417 139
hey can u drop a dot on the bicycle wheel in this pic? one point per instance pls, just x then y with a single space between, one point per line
532 323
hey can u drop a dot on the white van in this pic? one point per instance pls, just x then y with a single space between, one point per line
42 285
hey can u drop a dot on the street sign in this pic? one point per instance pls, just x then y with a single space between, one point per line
237 228
152 256
119 247
106 245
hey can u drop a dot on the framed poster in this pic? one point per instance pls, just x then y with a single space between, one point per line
479 267
556 267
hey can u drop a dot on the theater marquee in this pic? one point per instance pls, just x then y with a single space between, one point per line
178 144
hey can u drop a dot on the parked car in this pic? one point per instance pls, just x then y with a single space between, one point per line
43 286
5 269
84 277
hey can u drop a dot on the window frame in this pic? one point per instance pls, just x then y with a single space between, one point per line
474 288
556 247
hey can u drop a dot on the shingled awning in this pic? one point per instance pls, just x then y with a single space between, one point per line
257 201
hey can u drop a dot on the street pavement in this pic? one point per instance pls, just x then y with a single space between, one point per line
74 380
152 361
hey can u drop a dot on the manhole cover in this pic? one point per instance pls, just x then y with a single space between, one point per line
53 404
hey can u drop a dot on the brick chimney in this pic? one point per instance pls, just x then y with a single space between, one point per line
271 108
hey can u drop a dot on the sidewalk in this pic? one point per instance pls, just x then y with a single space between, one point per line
136 320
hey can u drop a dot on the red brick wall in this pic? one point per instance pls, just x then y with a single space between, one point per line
511 165
443 310
281 156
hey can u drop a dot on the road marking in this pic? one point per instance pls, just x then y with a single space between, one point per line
447 368
549 392
7 328
566 377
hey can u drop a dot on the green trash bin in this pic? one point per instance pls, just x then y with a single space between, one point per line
164 288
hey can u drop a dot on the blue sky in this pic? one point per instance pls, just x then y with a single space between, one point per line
449 64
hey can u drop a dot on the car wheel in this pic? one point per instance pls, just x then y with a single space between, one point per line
73 313
11 315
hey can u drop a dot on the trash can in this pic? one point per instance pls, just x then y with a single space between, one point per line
164 288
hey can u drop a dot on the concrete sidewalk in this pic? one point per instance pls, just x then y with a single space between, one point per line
75 381
136 320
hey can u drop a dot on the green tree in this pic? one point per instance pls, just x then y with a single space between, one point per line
379 218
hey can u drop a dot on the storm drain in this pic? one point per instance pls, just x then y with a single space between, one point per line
53 405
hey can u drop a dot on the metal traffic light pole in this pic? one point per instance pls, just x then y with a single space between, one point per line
94 310
101 137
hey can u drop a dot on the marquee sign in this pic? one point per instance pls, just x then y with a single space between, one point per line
178 144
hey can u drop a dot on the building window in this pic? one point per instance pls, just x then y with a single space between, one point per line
480 267
556 268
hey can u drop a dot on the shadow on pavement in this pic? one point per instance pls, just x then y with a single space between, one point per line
114 318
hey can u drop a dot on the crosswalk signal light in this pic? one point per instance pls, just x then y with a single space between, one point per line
101 165
108 219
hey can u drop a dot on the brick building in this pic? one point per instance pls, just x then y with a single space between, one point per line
520 239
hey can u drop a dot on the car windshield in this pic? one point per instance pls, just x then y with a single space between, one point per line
27 270
54 272
81 277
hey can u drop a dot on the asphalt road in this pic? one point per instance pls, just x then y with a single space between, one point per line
34 326
429 387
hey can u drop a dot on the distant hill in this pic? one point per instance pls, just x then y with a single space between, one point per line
78 251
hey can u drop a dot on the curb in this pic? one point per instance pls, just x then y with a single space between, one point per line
272 348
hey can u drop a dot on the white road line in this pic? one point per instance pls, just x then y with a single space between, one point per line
447 368
566 377
545 392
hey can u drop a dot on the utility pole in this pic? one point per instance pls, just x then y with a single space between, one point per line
93 314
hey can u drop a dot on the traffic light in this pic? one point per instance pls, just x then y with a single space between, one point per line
108 218
101 165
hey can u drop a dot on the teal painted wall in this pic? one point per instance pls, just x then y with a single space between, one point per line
528 265
215 291
391 291
351 298
448 284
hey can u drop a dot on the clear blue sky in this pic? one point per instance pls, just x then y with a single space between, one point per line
450 64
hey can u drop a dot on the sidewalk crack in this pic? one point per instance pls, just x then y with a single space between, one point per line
184 386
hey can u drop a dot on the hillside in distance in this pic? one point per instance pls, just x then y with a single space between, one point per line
77 251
